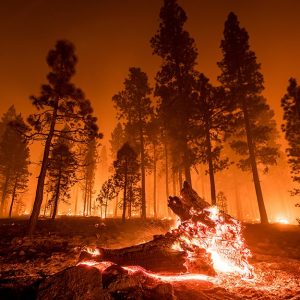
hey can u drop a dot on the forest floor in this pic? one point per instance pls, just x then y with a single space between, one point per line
56 246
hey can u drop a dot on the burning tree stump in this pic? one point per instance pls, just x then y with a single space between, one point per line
204 242
158 255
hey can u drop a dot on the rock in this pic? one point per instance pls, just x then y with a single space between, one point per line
22 253
73 283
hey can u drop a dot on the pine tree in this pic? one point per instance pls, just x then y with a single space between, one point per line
242 79
174 80
291 128
108 192
14 159
7 117
127 176
117 140
134 107
90 165
60 103
210 119
153 133
61 171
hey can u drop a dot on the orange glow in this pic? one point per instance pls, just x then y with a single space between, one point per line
93 251
282 221
170 278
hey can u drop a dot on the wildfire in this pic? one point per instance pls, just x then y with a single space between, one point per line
219 237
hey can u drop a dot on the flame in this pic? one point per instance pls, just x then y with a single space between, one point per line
223 240
92 250
282 221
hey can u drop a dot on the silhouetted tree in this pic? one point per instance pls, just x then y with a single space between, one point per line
61 171
174 80
291 128
60 103
7 117
108 191
210 121
14 159
127 174
243 81
117 140
153 133
103 160
134 107
90 164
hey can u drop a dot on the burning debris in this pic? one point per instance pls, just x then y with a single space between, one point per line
205 243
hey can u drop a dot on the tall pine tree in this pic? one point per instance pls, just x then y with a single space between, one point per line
60 103
255 127
210 121
174 80
14 159
61 171
291 128
127 176
134 107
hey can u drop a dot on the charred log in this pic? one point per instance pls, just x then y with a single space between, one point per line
157 255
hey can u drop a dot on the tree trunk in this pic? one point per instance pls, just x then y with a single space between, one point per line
174 182
105 213
143 206
4 192
116 206
210 166
124 199
46 204
41 179
85 199
76 201
57 192
166 170
13 197
187 166
180 180
90 197
167 174
259 195
154 182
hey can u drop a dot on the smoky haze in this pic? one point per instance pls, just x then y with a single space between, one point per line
111 36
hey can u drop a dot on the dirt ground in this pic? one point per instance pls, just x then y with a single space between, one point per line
56 246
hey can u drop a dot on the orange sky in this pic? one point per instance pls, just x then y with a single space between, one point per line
112 35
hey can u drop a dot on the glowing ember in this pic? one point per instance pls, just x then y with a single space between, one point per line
170 278
89 263
93 251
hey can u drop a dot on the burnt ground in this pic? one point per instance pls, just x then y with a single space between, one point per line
56 246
